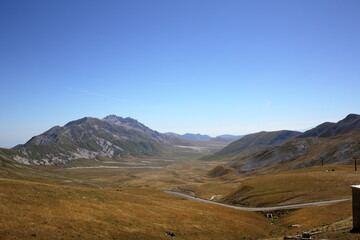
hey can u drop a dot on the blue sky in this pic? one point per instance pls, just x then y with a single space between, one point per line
210 67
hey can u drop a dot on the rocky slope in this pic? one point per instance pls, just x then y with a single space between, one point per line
328 143
252 142
89 138
327 129
130 123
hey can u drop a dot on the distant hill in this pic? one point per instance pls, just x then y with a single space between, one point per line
315 132
189 136
192 136
196 137
301 153
229 136
223 140
89 138
173 134
253 142
327 129
330 143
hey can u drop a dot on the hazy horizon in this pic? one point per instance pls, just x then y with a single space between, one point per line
208 67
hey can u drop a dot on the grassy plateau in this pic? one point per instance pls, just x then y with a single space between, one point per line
124 199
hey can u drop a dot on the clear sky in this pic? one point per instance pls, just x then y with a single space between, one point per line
210 67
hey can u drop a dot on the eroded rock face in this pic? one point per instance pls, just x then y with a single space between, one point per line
275 155
301 153
345 152
21 159
131 123
89 138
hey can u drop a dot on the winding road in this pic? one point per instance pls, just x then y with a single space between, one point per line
300 205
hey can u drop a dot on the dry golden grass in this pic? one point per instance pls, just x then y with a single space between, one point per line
327 217
297 186
176 174
53 209
44 211
335 220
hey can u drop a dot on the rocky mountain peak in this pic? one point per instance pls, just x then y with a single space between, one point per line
127 122
78 122
113 118
351 117
113 137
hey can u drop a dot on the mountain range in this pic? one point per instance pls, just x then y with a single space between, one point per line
89 138
252 142
328 129
328 143
116 137
195 137
112 137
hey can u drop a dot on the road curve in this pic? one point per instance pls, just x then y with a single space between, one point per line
300 205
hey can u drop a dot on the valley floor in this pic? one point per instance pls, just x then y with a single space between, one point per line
125 200
32 210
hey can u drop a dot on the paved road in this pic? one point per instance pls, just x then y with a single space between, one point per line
300 205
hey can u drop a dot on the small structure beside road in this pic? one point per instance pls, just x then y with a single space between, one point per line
356 208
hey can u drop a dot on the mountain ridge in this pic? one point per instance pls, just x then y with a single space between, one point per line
205 137
88 137
251 142
329 129
329 143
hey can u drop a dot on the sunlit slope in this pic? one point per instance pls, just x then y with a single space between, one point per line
89 138
45 211
297 186
252 142
327 129
301 153
328 143
8 166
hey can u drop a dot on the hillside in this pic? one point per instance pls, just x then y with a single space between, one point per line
200 137
316 131
89 138
189 136
229 136
328 143
252 142
327 129
294 186
301 153
31 210
223 140
8 166
130 123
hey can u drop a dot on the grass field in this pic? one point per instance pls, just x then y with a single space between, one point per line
127 203
45 211
301 185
